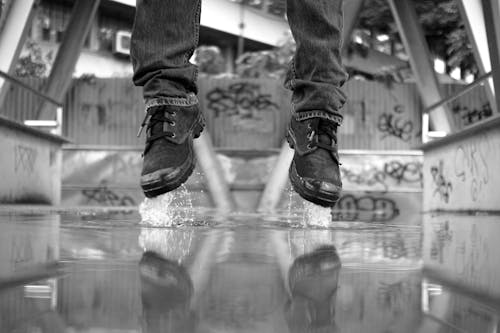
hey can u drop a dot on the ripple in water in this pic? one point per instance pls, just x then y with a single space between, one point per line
168 210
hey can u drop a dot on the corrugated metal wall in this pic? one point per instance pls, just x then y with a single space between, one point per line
245 113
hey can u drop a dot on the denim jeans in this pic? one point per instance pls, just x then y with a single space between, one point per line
166 32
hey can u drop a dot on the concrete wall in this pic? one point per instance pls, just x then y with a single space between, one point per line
460 172
30 165
380 186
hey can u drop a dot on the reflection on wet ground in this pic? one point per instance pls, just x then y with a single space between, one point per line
247 273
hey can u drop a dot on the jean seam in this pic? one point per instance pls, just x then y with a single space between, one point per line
318 114
190 100
196 28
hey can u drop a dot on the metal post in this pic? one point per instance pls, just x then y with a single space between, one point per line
472 14
278 179
491 11
420 59
69 51
13 33
214 175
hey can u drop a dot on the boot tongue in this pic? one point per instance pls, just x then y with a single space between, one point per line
157 113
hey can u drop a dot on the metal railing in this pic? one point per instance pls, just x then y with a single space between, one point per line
54 126
427 135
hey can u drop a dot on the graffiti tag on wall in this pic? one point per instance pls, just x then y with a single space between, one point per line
239 99
471 165
24 159
103 195
443 186
394 170
393 124
470 116
373 208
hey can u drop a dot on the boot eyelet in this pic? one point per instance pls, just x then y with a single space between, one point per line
172 124
173 135
309 146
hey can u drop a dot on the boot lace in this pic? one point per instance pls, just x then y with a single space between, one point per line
324 137
156 116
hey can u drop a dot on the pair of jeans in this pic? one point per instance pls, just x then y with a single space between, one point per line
166 33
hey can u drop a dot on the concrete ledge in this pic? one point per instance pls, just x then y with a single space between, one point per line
460 171
30 166
32 131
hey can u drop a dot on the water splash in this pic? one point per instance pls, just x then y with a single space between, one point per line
316 216
167 210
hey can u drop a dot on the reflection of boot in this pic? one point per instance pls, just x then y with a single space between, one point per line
166 294
313 280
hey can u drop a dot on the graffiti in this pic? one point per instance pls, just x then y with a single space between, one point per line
400 172
372 177
404 172
443 186
442 237
392 124
102 195
397 296
472 116
239 99
351 208
395 126
471 166
24 159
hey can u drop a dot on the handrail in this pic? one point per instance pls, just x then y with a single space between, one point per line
29 88
467 88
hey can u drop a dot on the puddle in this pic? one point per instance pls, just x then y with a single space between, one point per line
198 271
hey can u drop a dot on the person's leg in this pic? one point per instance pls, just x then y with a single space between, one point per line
164 37
315 77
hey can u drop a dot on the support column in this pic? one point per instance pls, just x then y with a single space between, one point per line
69 51
18 16
472 14
278 179
214 175
421 63
351 10
491 11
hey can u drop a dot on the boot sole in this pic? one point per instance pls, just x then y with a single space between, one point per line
321 198
165 184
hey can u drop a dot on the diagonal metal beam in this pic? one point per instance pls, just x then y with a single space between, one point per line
82 16
351 9
471 12
420 60
491 12
14 28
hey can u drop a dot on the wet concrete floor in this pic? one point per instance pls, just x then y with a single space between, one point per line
247 273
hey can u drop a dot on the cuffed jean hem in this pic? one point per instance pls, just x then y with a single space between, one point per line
303 115
190 100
